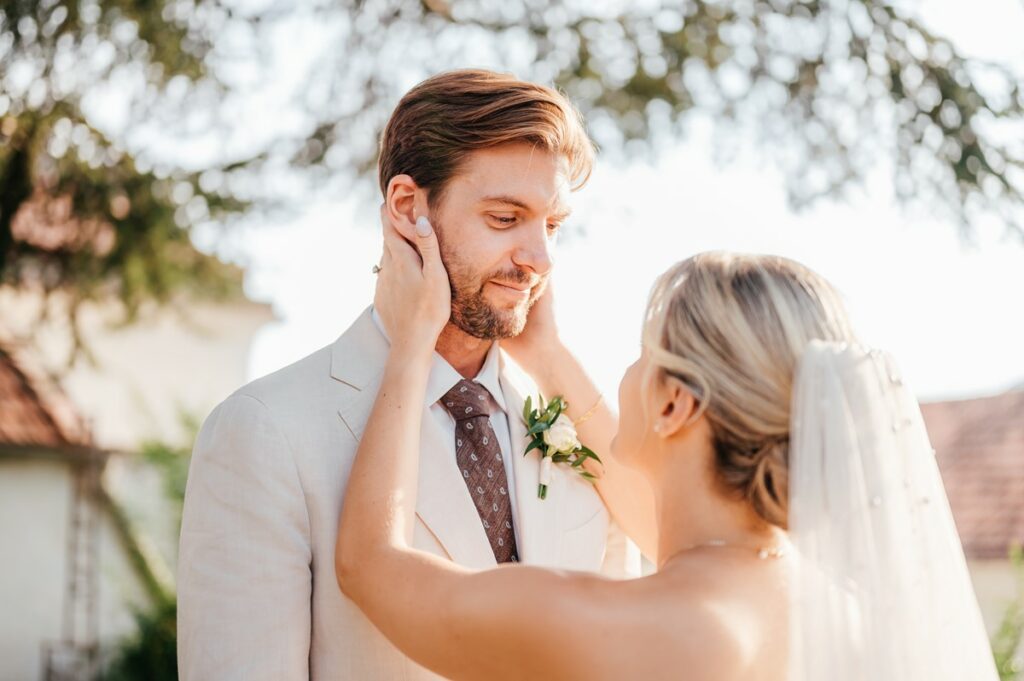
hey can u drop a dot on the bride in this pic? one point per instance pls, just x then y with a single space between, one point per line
775 471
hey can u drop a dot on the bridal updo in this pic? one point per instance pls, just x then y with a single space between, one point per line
733 327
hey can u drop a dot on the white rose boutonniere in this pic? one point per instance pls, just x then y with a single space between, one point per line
554 434
562 435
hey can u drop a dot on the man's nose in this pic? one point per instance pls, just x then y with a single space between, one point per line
536 250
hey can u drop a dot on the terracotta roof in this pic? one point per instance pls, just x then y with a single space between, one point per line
979 445
33 410
49 223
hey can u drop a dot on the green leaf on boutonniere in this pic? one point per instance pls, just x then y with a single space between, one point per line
533 445
589 453
538 427
542 419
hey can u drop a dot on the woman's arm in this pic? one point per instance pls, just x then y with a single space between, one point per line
413 299
511 622
459 623
625 491
556 371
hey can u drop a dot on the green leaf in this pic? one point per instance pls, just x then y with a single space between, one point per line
560 458
588 452
527 409
588 476
534 445
538 427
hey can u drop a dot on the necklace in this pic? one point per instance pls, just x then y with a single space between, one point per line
763 552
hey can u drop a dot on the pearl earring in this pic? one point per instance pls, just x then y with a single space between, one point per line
657 427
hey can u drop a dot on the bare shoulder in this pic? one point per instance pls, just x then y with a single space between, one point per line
691 622
735 608
715 619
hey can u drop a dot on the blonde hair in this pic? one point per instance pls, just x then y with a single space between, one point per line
732 327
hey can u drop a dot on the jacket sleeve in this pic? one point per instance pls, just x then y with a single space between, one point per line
244 579
622 557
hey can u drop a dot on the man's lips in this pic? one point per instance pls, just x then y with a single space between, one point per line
516 289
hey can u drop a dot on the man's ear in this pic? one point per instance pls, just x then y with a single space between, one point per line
405 201
677 407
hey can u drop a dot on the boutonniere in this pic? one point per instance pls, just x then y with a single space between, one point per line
554 434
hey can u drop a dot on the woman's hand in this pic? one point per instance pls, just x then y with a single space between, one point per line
413 296
539 345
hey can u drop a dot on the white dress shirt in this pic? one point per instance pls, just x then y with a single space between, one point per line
443 377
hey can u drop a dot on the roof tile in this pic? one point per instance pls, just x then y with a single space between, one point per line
979 446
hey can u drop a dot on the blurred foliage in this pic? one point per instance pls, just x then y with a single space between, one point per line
830 90
79 213
172 461
151 653
1008 641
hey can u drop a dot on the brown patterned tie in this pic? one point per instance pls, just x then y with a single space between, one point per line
479 457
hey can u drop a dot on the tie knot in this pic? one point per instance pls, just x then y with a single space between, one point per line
466 400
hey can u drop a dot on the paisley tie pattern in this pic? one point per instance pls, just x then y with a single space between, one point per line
479 458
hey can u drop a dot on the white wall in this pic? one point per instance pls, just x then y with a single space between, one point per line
182 358
996 585
34 504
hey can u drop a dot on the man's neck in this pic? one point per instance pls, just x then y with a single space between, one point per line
465 353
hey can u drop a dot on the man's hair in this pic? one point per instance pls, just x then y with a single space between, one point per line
448 116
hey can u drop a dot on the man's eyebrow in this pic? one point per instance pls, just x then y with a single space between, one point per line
513 201
510 200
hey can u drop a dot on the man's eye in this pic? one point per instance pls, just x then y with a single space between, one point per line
554 226
504 220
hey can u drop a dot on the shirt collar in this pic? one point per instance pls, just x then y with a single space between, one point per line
443 375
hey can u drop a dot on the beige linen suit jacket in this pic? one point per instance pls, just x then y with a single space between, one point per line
257 595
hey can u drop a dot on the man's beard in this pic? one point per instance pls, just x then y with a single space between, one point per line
471 313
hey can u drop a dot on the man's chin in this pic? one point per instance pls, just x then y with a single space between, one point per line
511 322
505 321
505 308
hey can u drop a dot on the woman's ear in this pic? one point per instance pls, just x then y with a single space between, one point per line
404 202
677 407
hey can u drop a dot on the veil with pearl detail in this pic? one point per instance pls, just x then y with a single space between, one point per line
881 590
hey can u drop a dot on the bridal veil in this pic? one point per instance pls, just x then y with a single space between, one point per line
882 591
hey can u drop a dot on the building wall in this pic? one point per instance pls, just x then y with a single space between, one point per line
996 585
175 360
35 497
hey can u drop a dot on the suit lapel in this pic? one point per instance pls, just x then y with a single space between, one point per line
443 503
539 530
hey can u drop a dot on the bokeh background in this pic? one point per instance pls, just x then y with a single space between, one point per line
187 203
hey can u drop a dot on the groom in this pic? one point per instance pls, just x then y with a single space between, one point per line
491 160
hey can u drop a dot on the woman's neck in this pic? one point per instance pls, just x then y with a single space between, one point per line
692 511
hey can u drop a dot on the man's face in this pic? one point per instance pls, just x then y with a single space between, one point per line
497 225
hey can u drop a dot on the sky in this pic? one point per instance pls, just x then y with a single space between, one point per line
948 310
